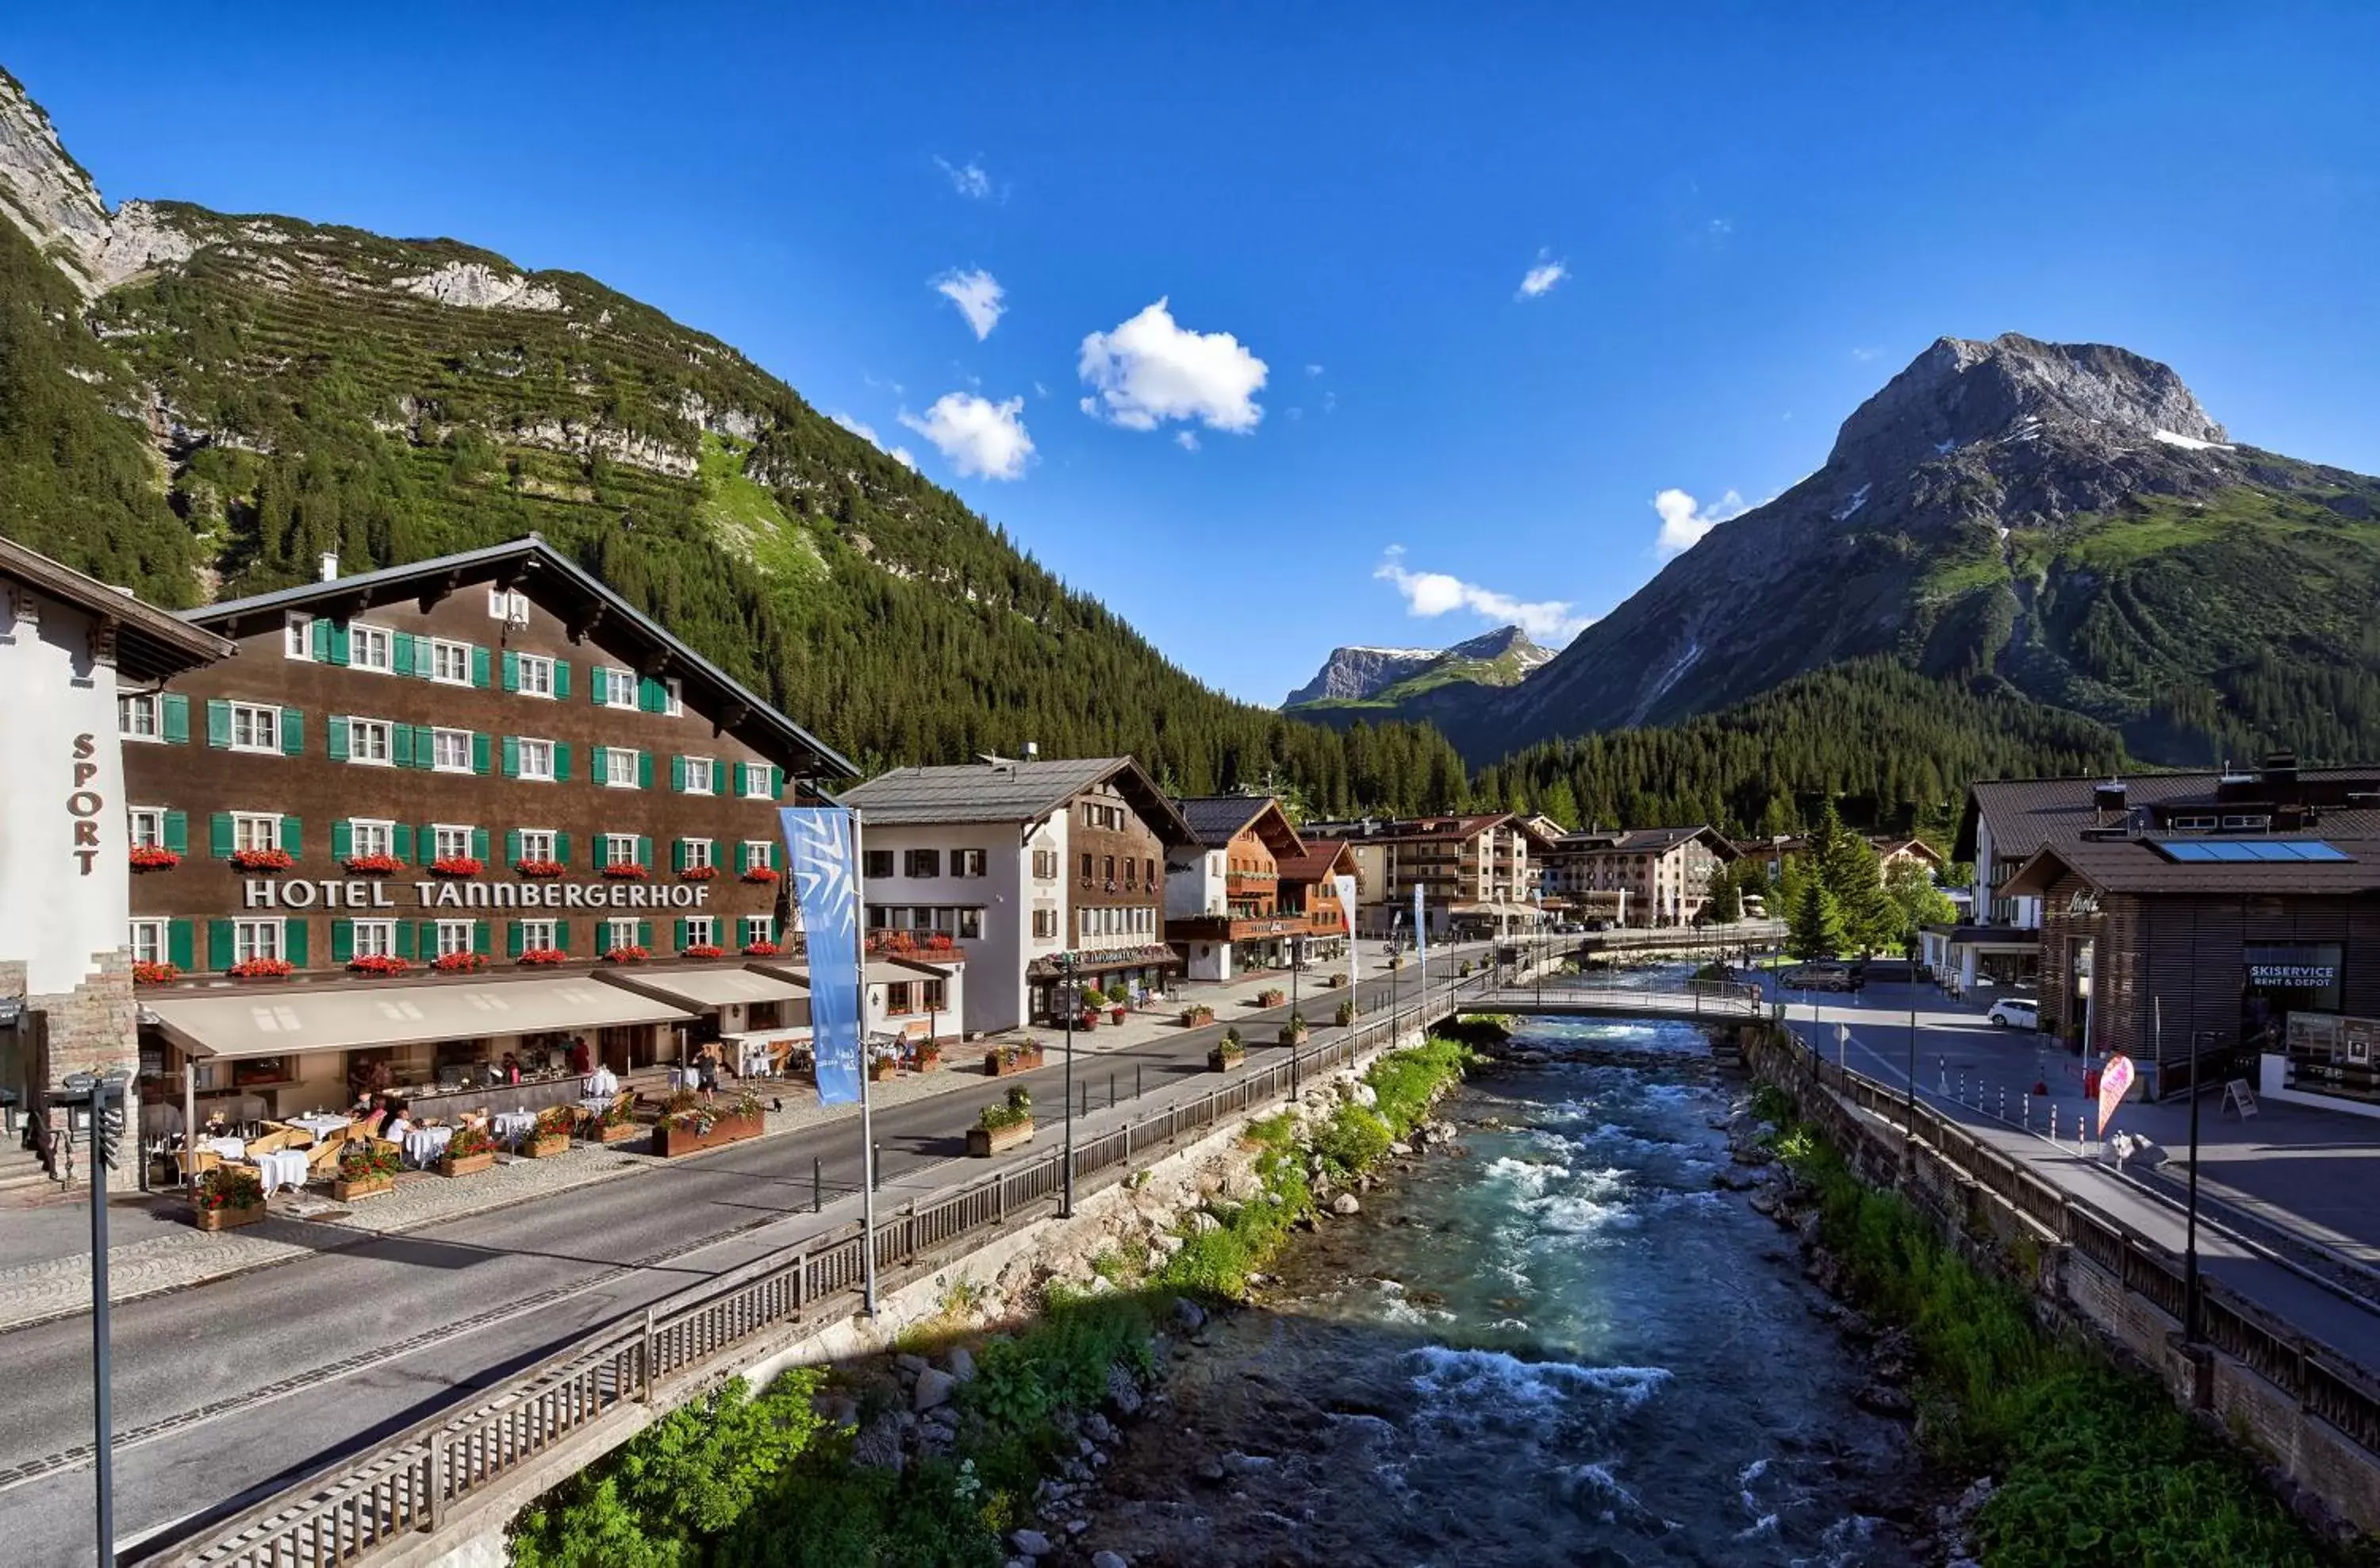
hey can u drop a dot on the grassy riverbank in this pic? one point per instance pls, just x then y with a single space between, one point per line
738 1480
2093 1463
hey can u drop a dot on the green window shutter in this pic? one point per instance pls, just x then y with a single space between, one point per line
512 756
512 847
512 670
651 696
677 854
400 842
293 835
425 664
343 839
677 774
644 770
562 847
292 732
776 783
322 634
343 941
178 832
562 761
597 766
400 653
560 679
644 933
479 845
405 941
480 667
597 677
400 746
338 644
220 953
218 723
219 836
739 780
516 940
562 936
178 944
644 852
293 940
480 943
681 934
479 750
334 738
425 940
174 718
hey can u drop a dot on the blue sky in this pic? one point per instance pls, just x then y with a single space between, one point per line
1756 219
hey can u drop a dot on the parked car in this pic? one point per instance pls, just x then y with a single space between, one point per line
1819 976
2016 1013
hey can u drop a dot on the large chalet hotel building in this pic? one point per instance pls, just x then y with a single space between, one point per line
487 764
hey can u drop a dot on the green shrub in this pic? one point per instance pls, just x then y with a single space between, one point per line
1014 1111
1351 1140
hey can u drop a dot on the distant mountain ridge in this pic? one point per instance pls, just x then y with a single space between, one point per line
1389 675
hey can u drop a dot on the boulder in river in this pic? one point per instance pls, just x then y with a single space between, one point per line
1346 1203
934 1389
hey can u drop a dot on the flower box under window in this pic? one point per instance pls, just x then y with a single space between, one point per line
762 950
262 859
539 868
373 865
632 953
701 950
544 955
457 866
262 970
147 972
378 963
154 857
460 963
761 874
698 873
626 871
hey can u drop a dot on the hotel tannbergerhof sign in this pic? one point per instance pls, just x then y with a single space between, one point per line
377 892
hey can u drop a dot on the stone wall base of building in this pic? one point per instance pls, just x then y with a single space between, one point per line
93 1029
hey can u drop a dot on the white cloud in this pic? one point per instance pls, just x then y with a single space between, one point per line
1430 594
1313 370
1149 370
976 436
968 178
867 433
976 294
1865 355
1683 521
1540 279
1186 439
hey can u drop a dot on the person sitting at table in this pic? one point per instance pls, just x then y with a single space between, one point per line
512 1068
400 1124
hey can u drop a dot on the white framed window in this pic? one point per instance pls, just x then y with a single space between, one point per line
370 648
619 688
701 930
255 939
759 928
297 635
147 826
375 939
537 935
454 936
368 837
619 766
536 759
255 727
534 674
970 924
148 941
758 852
619 849
1045 925
537 844
450 662
675 701
450 841
619 933
511 607
256 829
136 716
759 782
450 750
701 776
368 742
697 852
966 862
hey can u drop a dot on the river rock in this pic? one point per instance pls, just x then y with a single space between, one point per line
1109 1560
934 1388
1123 1392
1895 1356
913 1365
879 1445
1100 1429
1031 1543
1883 1399
1213 1472
1076 1527
1189 1314
961 1361
1401 1149
1204 1221
1346 1203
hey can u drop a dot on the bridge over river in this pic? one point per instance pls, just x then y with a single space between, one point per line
1711 1000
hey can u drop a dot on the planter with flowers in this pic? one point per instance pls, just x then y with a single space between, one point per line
1271 996
925 1056
1338 978
697 873
366 1166
469 1151
261 859
626 871
1296 1030
1345 1014
632 953
457 866
459 963
1116 1010
762 950
541 869
262 970
882 1069
227 1198
1197 1015
702 950
691 1121
378 963
551 1135
148 973
1229 1053
1012 1057
154 857
1003 1126
761 874
372 864
617 1123
544 955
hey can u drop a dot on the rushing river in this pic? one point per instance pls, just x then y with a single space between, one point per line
1563 1345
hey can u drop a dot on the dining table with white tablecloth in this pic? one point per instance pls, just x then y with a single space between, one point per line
511 1126
282 1168
320 1124
424 1144
224 1147
601 1081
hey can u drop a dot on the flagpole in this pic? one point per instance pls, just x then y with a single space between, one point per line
867 1117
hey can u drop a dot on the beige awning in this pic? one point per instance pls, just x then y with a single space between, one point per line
241 1021
709 988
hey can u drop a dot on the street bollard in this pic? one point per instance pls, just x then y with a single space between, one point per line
1085 1097
2003 1102
1110 1091
2028 1111
818 1186
875 1167
1135 1080
2053 1124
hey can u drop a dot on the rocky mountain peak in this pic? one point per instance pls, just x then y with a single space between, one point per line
44 192
1960 391
1499 643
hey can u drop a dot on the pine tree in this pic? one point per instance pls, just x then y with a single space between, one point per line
1724 905
1816 930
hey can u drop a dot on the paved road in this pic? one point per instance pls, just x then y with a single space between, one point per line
235 1388
1875 1041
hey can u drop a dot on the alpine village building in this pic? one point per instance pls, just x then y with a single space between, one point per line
1248 892
1635 876
425 818
1038 874
1475 873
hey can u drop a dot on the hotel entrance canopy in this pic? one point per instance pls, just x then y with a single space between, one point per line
242 1022
706 989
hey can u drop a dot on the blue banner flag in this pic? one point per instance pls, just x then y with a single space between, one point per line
1421 929
818 843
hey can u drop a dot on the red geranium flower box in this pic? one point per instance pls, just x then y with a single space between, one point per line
762 950
457 866
626 871
378 963
700 950
761 874
262 859
459 963
373 865
146 973
539 868
262 970
698 873
630 954
154 857
544 955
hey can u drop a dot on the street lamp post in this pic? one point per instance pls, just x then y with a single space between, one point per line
104 1093
2190 1235
1909 1112
1296 962
1068 1000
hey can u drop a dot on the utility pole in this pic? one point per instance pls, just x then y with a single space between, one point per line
866 1112
104 1094
2190 1288
1068 1000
